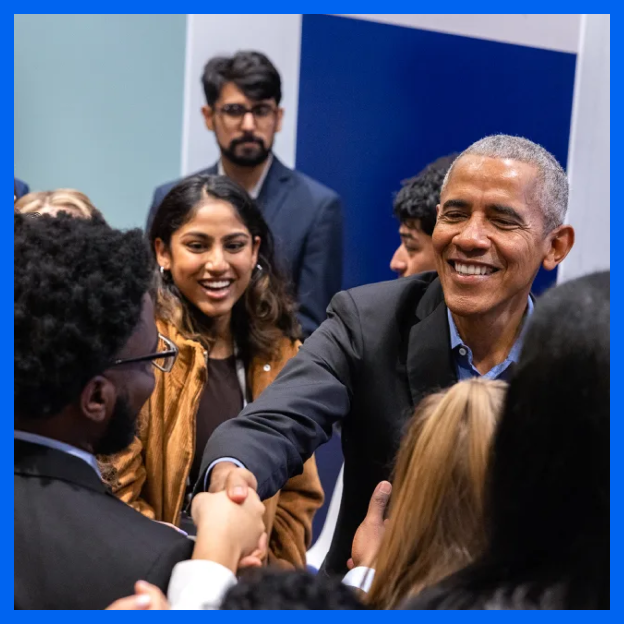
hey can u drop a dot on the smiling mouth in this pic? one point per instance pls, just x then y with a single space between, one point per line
216 287
468 269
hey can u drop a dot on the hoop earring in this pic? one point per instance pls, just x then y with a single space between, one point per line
259 268
162 271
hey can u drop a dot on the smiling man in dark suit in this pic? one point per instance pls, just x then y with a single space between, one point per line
242 109
384 346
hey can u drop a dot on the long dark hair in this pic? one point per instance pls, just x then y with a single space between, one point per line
265 313
548 491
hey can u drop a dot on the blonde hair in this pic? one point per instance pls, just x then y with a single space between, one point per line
52 202
435 522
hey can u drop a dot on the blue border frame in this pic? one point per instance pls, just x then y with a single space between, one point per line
616 332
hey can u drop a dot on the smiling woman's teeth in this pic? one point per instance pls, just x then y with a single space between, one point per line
216 285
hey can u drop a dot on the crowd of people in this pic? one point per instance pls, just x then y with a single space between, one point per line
172 387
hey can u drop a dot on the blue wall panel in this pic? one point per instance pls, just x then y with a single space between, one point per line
378 102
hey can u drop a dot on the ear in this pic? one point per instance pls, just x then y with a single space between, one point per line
255 249
280 116
561 241
208 114
97 399
163 255
437 211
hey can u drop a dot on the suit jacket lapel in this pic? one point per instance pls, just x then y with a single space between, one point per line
41 461
429 359
275 189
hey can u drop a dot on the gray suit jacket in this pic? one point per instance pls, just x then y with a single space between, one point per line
305 218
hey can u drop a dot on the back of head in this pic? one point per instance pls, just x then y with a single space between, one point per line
551 193
436 510
252 72
548 494
79 288
268 588
419 196
550 471
70 201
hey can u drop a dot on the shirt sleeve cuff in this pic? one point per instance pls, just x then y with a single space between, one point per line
214 463
198 584
360 578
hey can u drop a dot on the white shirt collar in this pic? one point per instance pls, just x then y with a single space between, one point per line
59 446
255 191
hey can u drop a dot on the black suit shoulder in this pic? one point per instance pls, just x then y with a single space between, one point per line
77 546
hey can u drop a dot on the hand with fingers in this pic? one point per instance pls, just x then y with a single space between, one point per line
147 597
236 481
367 539
230 533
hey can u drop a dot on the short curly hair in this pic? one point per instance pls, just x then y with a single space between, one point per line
79 287
272 588
419 196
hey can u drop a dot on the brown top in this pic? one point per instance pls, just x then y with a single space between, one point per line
221 400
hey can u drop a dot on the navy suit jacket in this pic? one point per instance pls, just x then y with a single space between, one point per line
21 188
305 219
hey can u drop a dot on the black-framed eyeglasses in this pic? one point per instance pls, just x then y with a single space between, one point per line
237 112
163 359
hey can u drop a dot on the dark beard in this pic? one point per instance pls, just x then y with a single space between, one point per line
246 160
121 429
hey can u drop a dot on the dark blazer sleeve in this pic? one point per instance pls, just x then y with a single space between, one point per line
321 272
281 429
160 572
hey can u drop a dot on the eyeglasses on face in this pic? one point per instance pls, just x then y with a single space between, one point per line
235 113
163 359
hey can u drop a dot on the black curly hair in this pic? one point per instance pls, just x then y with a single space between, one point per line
272 588
419 196
79 286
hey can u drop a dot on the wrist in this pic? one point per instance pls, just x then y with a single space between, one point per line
219 550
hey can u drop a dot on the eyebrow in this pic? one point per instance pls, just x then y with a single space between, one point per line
501 209
506 210
205 236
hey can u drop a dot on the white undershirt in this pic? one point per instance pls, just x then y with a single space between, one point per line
255 191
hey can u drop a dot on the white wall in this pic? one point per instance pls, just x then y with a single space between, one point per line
277 36
589 159
551 32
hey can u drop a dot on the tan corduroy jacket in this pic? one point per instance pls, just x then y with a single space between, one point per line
151 474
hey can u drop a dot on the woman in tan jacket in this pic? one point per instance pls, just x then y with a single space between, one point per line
221 303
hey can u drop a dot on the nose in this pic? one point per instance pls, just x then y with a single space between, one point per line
215 260
249 122
473 235
398 263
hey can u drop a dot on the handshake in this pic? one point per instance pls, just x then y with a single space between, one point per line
230 531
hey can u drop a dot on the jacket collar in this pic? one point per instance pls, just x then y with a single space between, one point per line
275 188
429 356
36 460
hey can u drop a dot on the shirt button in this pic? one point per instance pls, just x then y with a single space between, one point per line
462 351
267 368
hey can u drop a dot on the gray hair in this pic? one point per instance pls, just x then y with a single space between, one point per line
552 194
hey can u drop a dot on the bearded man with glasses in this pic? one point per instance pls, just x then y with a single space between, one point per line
243 95
86 345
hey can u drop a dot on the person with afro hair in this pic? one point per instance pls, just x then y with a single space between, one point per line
85 343
415 208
